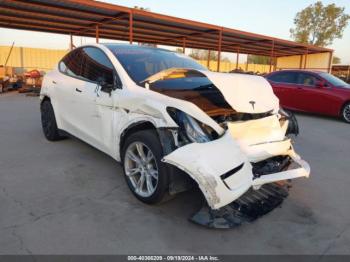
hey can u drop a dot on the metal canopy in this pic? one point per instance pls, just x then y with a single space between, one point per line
103 20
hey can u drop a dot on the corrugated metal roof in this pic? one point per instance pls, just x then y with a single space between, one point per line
80 17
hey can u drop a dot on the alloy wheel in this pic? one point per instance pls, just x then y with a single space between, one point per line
141 169
346 113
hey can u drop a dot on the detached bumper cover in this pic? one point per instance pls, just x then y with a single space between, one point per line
206 162
249 207
224 172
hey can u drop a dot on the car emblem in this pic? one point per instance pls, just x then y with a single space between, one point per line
252 103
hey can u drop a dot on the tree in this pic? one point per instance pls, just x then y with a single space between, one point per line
142 8
258 59
179 50
225 59
336 60
203 54
319 25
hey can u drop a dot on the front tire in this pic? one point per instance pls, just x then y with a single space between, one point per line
145 173
346 113
48 121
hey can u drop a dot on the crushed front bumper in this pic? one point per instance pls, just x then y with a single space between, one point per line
247 208
223 170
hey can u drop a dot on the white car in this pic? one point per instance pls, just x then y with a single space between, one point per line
170 121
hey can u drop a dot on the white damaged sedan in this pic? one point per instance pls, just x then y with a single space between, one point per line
174 124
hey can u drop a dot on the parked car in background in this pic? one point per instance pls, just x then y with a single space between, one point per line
312 91
169 120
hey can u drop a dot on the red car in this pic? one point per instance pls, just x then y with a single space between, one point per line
312 91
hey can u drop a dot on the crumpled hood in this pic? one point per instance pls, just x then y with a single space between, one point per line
245 93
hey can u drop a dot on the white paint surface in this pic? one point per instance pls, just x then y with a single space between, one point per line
101 119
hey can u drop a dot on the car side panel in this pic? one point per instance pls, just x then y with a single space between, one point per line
299 97
66 95
60 91
287 94
340 97
319 100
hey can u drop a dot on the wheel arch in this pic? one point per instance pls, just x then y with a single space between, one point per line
347 102
45 98
56 111
179 180
134 127
343 105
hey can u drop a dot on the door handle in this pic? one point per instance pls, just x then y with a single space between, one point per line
78 90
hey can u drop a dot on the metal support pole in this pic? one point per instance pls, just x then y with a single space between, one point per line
183 45
348 74
9 54
272 55
306 53
97 34
208 60
246 65
237 58
330 61
301 62
131 33
71 42
219 50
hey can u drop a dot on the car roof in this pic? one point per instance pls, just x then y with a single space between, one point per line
123 47
299 70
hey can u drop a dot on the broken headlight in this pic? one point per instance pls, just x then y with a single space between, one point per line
282 112
191 130
293 126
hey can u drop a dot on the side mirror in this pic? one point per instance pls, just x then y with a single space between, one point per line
117 83
105 87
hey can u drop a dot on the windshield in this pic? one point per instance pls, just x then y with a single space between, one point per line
335 81
141 62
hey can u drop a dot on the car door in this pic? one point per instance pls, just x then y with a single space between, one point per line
92 105
283 84
64 82
313 97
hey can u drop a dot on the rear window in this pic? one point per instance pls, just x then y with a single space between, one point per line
71 63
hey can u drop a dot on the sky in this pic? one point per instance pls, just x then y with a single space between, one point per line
267 17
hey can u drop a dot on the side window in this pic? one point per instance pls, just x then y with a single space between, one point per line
96 66
62 67
307 79
284 77
71 63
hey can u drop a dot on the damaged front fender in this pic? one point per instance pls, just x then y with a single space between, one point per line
206 162
224 173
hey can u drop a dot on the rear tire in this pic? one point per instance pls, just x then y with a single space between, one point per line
48 122
345 113
145 168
